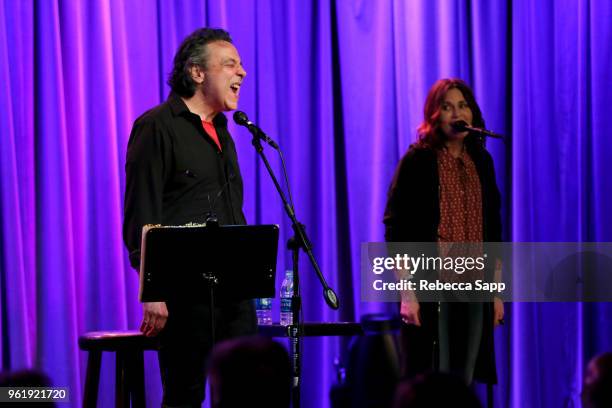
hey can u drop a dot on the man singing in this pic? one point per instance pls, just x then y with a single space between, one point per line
182 166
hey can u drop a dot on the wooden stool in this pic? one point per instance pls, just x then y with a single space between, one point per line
129 347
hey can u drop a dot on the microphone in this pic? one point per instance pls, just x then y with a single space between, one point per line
462 126
243 120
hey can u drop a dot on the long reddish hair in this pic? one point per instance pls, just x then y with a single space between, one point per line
429 132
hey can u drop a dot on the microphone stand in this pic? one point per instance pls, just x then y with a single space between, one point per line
298 241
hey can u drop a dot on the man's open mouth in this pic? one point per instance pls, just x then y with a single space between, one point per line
235 87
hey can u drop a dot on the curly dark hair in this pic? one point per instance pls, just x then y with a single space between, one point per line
193 51
429 133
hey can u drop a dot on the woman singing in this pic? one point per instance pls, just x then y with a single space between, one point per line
444 190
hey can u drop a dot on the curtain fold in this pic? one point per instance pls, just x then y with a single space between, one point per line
17 222
341 86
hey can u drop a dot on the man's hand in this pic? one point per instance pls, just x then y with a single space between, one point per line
498 311
410 313
155 315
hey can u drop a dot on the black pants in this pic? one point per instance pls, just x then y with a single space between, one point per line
186 344
458 329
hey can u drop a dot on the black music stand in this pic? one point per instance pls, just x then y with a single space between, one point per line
204 263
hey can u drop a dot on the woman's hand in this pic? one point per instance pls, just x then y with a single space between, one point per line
410 312
498 311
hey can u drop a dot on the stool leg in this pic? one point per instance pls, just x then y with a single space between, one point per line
122 395
136 379
92 379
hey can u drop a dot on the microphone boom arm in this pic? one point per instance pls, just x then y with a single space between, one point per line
328 293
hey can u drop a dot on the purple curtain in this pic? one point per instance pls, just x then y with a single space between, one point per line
341 86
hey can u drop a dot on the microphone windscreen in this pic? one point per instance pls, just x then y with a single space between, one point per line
459 126
241 118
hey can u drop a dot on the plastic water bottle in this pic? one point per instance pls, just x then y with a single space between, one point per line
286 293
263 308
